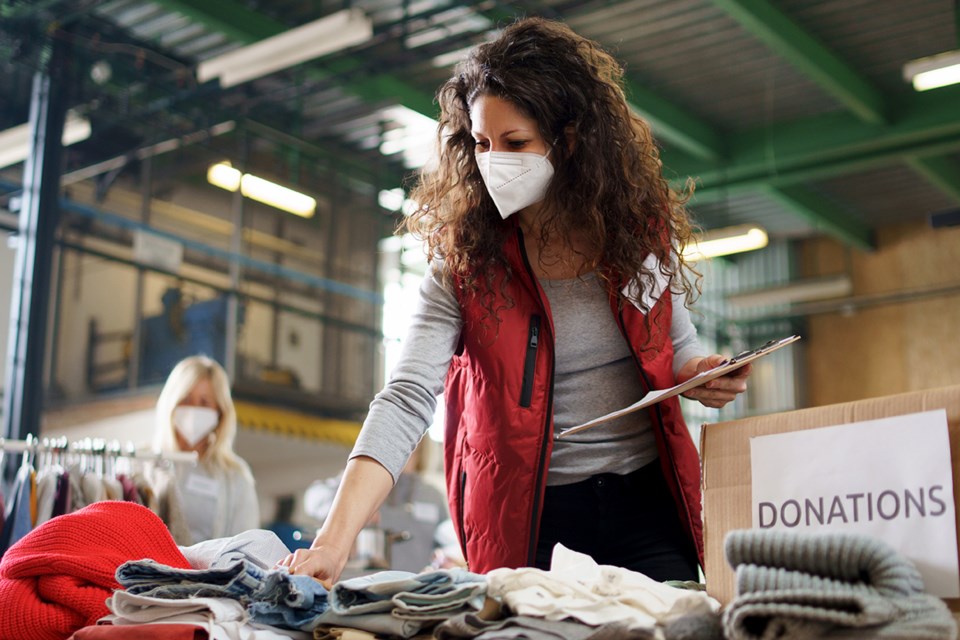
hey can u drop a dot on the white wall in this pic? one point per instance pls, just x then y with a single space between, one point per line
92 288
300 345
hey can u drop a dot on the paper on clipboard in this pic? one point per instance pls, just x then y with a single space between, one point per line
655 396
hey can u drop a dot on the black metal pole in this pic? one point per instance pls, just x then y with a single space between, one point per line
39 217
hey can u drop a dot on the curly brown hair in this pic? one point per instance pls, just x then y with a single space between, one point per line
607 187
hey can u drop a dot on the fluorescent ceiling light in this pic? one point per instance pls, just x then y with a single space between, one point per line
397 200
722 242
334 32
450 58
933 72
270 193
414 136
391 199
806 290
15 142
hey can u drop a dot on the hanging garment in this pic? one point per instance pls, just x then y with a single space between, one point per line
77 498
33 498
62 500
57 578
47 480
794 585
130 493
93 490
112 488
18 520
159 489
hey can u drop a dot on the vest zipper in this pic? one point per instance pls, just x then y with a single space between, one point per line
530 364
463 531
547 427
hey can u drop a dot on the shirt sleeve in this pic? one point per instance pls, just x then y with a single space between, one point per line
402 412
683 334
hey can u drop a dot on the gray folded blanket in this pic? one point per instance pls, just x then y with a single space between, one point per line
827 585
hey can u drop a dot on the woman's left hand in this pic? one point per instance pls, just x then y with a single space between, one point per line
719 391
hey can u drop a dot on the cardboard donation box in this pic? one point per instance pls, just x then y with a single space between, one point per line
886 467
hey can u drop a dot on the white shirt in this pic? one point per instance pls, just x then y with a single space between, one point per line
217 502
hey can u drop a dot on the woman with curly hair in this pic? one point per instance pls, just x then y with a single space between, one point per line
556 292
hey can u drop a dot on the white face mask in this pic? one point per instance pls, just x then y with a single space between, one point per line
514 179
195 423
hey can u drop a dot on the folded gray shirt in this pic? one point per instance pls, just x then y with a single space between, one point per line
594 374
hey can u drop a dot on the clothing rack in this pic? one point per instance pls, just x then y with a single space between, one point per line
94 446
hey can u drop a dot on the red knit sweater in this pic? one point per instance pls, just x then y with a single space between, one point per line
56 579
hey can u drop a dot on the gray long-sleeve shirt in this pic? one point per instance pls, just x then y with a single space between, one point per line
594 374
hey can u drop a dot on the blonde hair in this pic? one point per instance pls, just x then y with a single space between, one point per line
180 382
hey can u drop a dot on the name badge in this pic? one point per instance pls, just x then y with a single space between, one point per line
649 292
201 485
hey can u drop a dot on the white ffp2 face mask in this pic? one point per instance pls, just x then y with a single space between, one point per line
514 179
195 423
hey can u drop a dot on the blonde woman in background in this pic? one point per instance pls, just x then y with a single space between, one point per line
195 412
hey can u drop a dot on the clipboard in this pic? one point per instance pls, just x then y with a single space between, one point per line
656 396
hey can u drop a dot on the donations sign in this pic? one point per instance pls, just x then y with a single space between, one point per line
889 478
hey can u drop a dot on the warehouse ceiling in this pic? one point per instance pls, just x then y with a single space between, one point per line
792 114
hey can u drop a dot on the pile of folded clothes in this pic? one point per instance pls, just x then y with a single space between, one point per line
112 571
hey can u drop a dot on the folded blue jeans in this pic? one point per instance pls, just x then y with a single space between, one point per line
271 597
422 596
293 603
239 580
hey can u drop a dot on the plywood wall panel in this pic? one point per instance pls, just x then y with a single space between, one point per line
896 347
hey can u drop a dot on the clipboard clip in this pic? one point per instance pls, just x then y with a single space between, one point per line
759 351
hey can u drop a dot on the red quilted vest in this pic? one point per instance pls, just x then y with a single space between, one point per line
499 417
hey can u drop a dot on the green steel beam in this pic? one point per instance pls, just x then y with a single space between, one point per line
378 87
772 160
829 145
230 18
940 171
240 23
811 57
823 215
675 126
671 125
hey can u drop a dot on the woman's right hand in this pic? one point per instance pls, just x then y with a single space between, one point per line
322 561
362 490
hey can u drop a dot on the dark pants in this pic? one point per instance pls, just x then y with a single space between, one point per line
627 521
